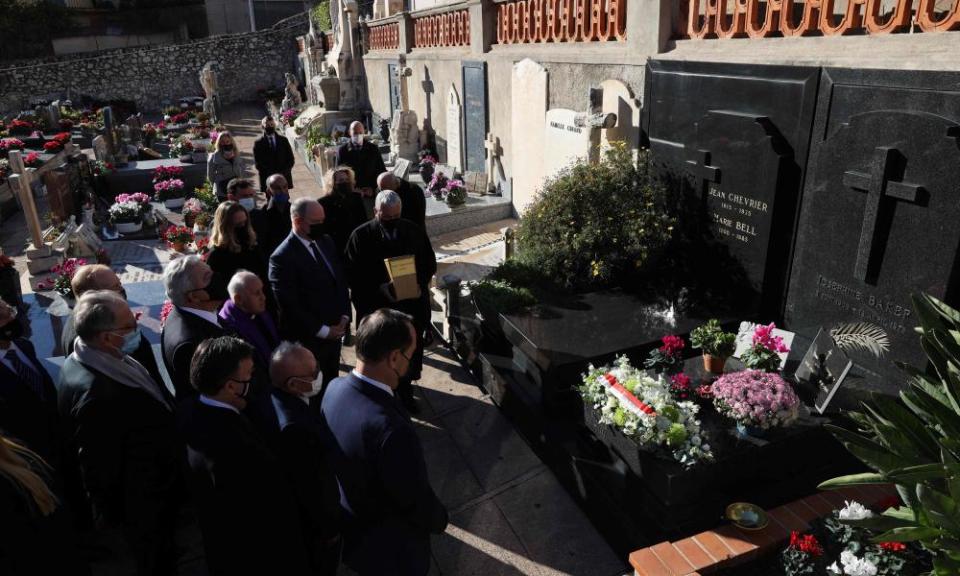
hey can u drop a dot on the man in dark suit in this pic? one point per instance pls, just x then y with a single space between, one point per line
28 398
365 159
389 236
390 510
299 444
310 285
248 516
272 154
413 202
271 221
100 277
124 431
196 295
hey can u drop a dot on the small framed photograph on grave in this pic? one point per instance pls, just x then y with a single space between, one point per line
745 341
824 366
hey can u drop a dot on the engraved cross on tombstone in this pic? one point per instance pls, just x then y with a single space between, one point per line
703 172
878 183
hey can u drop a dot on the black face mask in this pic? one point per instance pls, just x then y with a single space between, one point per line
227 148
317 231
342 188
269 130
11 330
242 235
389 225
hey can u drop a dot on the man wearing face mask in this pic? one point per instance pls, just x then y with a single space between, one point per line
307 278
196 294
365 159
241 191
389 507
248 515
299 445
272 154
388 236
271 222
412 200
124 432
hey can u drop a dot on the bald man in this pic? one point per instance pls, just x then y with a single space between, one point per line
99 277
364 157
414 202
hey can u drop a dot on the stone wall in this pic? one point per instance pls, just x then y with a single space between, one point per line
156 76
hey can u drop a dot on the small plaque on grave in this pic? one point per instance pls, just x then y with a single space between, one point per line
745 340
824 366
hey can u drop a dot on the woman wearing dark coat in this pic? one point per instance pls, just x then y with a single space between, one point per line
342 206
233 246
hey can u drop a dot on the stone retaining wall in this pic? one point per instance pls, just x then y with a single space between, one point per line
155 76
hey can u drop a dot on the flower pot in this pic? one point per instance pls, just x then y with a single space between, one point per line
174 203
713 364
129 227
179 246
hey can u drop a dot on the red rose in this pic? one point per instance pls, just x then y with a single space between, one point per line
893 546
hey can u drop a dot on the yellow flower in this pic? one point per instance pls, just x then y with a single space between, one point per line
595 268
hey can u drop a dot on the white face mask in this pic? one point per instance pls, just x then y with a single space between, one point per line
248 203
358 139
315 386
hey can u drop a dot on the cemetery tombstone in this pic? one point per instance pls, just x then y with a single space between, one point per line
528 105
474 115
739 134
564 141
454 129
883 174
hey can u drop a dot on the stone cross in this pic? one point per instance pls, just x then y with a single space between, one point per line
492 144
403 71
703 172
878 184
24 188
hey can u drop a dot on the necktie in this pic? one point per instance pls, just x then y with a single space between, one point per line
319 257
273 143
25 373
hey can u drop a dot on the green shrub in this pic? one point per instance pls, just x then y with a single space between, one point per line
594 225
915 444
321 16
517 273
498 296
711 338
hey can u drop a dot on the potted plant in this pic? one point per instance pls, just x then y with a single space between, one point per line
191 208
428 165
178 237
32 160
765 349
8 144
127 216
756 400
63 275
455 192
716 345
170 192
201 224
182 148
149 132
668 358
20 127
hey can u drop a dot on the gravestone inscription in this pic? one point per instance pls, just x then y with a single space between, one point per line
880 211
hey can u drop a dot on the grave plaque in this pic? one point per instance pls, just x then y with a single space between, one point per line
564 141
880 209
454 129
738 134
474 115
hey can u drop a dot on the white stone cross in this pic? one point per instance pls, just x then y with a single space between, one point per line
403 72
492 144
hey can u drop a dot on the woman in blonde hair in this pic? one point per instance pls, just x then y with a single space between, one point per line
223 164
342 204
34 535
233 246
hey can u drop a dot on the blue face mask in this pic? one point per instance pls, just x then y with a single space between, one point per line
131 342
248 203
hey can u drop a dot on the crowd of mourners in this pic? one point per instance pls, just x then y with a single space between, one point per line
242 423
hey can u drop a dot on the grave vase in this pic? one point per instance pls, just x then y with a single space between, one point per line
174 203
129 227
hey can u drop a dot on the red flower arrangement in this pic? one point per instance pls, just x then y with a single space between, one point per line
806 543
7 144
53 146
672 345
177 236
61 137
680 386
668 357
162 173
893 546
20 127
32 160
179 118
705 391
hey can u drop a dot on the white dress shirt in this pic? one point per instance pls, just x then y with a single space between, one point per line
207 315
376 383
216 403
20 354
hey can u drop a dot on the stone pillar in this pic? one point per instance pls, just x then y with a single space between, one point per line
650 25
406 33
483 25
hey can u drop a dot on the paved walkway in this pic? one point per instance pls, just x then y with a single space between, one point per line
508 513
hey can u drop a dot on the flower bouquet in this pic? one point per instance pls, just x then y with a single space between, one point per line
162 173
32 160
428 164
63 276
143 200
436 184
840 544
52 146
454 193
101 168
170 192
643 409
757 400
128 216
764 352
287 117
668 358
8 144
21 127
191 208
180 147
177 237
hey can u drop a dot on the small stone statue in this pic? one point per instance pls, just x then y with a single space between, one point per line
291 94
211 89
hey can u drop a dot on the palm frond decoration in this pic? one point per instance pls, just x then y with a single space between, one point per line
861 336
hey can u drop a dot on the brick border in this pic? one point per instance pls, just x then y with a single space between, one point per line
726 546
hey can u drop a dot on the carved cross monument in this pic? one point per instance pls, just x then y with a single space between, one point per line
703 172
492 144
878 183
404 132
403 72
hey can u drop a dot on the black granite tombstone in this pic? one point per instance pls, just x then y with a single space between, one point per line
880 210
740 134
394 88
475 115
